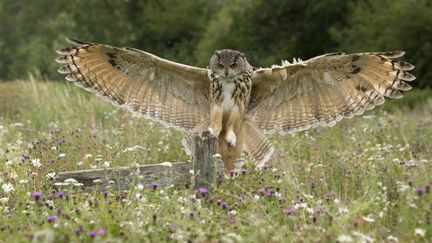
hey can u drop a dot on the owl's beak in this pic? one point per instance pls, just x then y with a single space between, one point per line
226 72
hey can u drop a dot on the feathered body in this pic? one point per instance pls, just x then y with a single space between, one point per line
233 101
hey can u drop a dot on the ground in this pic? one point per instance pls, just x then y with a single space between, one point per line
366 179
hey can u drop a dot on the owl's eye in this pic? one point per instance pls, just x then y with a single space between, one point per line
233 65
220 65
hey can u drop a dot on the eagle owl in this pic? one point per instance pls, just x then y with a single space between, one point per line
232 100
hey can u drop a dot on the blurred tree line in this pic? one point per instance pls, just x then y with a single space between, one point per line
189 31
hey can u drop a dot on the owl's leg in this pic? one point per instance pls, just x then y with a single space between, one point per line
230 154
216 116
232 126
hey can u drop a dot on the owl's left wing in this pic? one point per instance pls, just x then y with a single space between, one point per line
172 93
325 89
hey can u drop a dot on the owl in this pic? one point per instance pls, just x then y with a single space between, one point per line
231 99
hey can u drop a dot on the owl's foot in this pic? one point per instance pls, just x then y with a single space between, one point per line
231 138
214 132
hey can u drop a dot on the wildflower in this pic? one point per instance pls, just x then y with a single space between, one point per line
62 155
51 175
78 230
420 191
344 238
314 218
282 200
261 191
224 205
36 195
154 185
101 231
51 218
269 194
288 211
36 163
61 194
420 232
410 182
8 187
203 191
4 200
219 202
243 171
92 234
392 238
232 213
107 164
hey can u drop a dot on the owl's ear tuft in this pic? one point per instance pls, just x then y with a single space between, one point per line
217 53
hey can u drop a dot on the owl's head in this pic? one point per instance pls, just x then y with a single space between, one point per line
228 63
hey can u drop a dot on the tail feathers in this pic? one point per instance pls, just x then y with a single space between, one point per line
258 147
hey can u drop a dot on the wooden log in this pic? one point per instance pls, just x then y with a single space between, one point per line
206 167
207 170
121 178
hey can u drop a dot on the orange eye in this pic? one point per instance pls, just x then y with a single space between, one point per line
220 65
233 65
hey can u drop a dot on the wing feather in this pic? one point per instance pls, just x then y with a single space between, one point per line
171 93
325 89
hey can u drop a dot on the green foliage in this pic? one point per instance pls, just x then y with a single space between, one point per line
190 31
350 181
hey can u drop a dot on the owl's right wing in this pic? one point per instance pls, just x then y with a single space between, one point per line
325 89
174 94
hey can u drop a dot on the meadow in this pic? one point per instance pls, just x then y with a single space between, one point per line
367 179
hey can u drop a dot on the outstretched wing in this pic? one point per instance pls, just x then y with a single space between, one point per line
171 93
325 89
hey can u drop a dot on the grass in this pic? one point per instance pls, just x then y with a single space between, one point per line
368 178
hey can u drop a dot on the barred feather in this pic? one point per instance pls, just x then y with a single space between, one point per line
324 89
168 92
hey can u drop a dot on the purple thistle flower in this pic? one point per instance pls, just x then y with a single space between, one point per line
61 194
314 218
78 230
261 191
232 173
243 171
288 211
224 205
203 191
282 200
219 202
420 191
36 195
154 185
101 231
51 218
232 213
327 197
410 182
302 199
92 234
318 208
269 194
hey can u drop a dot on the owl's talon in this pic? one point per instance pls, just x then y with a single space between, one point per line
231 138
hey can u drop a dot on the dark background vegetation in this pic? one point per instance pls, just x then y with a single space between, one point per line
189 31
